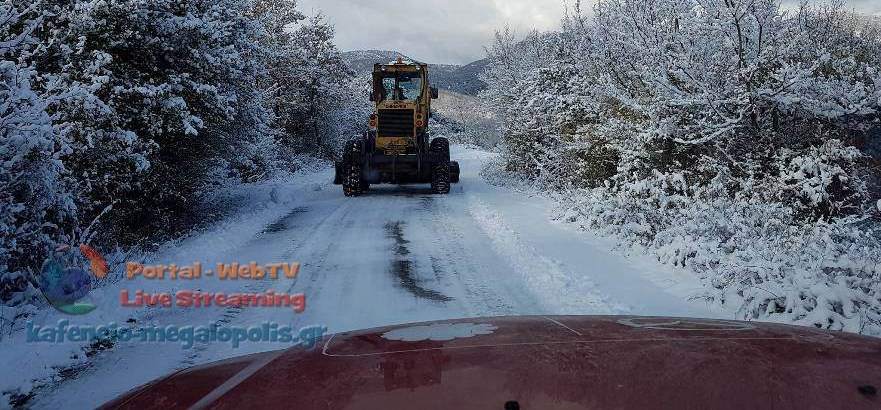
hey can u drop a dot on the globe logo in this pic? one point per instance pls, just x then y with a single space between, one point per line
64 284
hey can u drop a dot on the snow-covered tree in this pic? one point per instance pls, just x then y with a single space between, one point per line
35 199
313 89
118 115
511 63
155 97
131 109
346 115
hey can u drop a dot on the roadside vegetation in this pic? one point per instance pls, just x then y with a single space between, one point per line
118 117
734 139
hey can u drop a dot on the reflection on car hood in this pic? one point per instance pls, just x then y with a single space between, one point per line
554 362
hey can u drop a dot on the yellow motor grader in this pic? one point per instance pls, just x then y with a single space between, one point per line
397 148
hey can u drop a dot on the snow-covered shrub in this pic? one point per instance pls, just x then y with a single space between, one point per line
821 181
757 257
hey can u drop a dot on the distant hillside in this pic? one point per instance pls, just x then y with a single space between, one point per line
463 80
362 61
464 120
460 79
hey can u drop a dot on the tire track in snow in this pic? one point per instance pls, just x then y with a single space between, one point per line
403 268
461 262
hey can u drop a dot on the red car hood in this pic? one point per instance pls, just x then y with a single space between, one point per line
555 362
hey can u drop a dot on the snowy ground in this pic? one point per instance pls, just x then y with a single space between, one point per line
396 255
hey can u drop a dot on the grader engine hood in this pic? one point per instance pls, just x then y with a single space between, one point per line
396 126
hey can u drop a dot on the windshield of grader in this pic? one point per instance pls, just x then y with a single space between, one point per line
402 86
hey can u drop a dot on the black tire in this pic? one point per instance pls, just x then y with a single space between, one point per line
352 170
454 172
441 145
440 173
338 173
440 178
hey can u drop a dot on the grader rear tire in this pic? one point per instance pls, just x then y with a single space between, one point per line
441 146
454 172
440 179
440 173
353 181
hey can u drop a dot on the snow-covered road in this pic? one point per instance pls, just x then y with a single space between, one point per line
396 255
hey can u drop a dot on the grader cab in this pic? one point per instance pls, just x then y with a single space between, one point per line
397 148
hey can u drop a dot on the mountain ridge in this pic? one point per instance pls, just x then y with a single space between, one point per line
463 79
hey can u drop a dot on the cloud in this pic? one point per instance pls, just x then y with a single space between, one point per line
449 31
437 31
865 6
861 6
